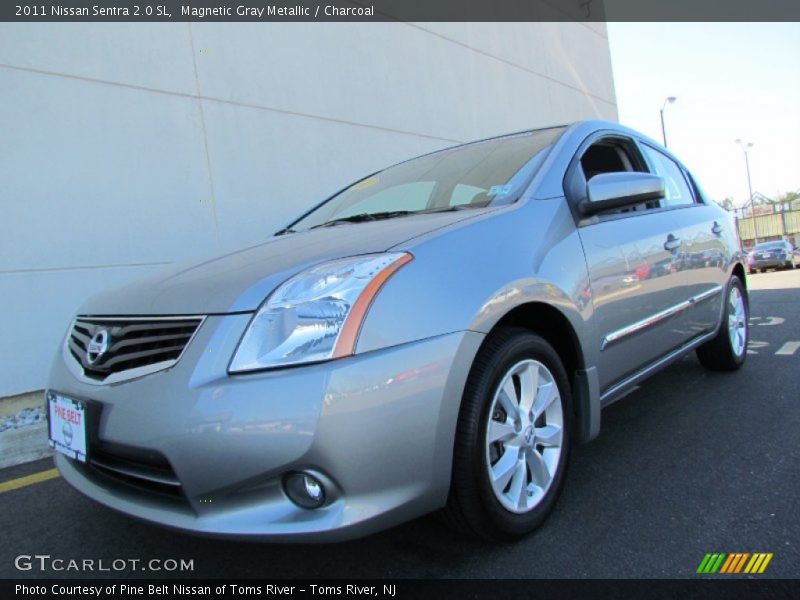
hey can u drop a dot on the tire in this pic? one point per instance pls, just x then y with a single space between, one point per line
518 503
728 350
751 271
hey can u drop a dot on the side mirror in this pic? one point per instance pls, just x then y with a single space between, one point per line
608 191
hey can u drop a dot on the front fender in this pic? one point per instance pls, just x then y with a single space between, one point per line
469 277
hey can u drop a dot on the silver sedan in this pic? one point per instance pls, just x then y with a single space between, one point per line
438 335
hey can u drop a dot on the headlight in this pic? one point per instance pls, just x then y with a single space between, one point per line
316 315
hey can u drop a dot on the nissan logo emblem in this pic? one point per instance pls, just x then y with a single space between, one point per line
97 346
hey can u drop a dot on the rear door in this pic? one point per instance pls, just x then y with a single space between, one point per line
635 269
705 232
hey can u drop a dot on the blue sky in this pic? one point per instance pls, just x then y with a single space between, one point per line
731 80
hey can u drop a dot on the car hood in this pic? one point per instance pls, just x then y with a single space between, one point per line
241 280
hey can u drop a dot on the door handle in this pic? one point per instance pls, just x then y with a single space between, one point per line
672 243
716 229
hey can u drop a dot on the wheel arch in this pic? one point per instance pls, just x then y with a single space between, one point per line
739 271
555 327
550 323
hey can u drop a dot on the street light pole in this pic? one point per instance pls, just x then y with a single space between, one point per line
669 100
745 148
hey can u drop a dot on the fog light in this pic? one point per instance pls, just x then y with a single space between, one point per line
304 489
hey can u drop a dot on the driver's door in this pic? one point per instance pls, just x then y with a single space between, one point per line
635 270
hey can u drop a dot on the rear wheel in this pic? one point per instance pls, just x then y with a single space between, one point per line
512 440
728 350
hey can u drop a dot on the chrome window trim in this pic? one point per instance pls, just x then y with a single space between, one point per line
619 334
76 368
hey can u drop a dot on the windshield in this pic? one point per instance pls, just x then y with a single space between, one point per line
770 246
494 171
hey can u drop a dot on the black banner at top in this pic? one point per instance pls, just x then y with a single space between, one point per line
400 10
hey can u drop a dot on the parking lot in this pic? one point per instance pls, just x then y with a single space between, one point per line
692 462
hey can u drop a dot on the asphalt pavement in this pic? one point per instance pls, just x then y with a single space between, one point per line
690 463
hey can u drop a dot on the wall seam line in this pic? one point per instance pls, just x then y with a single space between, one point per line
512 64
229 102
212 187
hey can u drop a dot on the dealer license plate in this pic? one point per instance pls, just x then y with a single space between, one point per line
67 431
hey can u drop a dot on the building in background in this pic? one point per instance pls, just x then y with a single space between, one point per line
768 225
128 146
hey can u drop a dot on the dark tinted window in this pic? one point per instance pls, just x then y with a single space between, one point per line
603 158
613 155
771 246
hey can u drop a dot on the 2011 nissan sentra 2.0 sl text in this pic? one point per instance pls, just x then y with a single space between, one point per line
434 337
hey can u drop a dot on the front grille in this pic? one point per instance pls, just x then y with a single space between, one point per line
128 344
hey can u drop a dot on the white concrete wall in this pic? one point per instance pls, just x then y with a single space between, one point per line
127 146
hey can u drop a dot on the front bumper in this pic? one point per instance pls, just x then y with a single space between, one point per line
378 426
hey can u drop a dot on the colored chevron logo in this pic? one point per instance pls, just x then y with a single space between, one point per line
736 562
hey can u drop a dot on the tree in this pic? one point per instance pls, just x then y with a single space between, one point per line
790 199
727 204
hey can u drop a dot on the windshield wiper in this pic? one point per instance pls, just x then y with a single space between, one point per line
389 214
284 231
362 217
445 209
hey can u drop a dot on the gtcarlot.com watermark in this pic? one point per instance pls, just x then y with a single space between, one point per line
47 563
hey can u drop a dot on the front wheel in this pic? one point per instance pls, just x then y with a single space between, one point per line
512 440
727 351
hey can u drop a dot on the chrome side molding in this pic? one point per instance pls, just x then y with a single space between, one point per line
615 336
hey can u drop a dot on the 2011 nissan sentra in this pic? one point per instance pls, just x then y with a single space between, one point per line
435 336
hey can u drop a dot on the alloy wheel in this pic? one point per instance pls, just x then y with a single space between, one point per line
737 321
524 436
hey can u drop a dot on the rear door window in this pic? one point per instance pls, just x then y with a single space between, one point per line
676 188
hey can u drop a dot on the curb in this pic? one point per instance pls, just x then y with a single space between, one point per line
25 437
